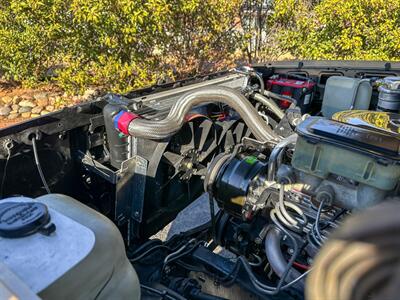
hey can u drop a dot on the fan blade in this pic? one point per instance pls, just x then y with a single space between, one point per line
188 141
227 125
203 155
239 132
205 129
247 132
229 139
172 158
192 143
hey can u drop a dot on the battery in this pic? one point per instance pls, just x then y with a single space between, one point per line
300 90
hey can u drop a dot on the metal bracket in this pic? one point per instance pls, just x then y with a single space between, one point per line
139 183
129 183
96 122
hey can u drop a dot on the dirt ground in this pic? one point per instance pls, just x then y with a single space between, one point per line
7 123
9 89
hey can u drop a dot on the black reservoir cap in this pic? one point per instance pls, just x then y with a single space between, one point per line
20 219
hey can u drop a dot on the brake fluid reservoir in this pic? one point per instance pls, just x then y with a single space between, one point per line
62 249
358 153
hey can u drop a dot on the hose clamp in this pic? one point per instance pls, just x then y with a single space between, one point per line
123 119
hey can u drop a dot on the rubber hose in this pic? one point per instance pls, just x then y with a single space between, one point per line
280 97
158 130
268 102
272 162
276 259
260 80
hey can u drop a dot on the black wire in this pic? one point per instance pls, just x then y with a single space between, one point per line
265 288
231 277
39 168
317 220
178 256
226 280
311 236
259 286
293 257
315 232
158 246
3 180
142 247
135 259
241 261
163 294
314 238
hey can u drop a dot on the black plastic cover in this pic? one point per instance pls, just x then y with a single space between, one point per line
360 139
19 219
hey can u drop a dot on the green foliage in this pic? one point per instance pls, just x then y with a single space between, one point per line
201 35
117 44
339 29
123 44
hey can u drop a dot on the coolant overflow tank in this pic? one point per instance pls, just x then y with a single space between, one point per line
62 249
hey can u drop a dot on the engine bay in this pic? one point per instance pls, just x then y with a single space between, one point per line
270 176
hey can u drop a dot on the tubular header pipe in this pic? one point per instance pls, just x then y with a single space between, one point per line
279 97
157 130
272 162
275 256
250 72
268 102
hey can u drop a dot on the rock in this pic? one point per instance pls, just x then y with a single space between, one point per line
5 110
39 96
7 99
27 97
35 115
52 101
50 108
44 112
90 94
26 114
15 107
13 116
27 103
25 109
16 99
42 102
36 110
41 99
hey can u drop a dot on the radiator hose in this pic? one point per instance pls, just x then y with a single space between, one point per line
277 260
162 129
